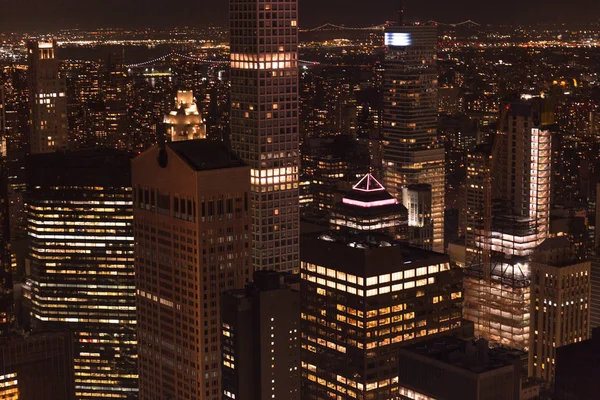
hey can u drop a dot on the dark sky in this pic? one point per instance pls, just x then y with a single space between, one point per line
26 15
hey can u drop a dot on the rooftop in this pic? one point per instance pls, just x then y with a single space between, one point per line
204 154
365 255
476 357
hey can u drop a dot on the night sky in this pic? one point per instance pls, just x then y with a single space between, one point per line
27 15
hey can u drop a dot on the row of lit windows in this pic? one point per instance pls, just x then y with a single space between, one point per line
370 292
375 280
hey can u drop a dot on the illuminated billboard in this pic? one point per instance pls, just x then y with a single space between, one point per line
397 39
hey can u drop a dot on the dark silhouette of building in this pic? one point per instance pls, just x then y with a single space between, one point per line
578 369
260 339
453 369
37 366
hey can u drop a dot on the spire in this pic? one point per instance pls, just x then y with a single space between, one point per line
368 184
401 13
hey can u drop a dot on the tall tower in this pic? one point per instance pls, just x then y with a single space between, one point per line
47 100
508 202
412 153
192 235
264 123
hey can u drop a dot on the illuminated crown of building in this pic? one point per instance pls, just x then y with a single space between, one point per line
369 185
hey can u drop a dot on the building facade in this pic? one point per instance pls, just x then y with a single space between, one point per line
412 153
264 123
47 99
560 304
38 366
508 202
192 235
362 300
80 230
260 339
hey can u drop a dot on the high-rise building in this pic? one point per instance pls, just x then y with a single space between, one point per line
192 234
362 299
417 200
260 336
329 166
597 233
560 304
412 153
184 121
6 293
595 291
521 179
264 123
37 366
369 208
508 203
462 369
47 99
478 206
81 261
115 103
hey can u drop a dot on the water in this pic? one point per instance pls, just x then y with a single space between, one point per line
132 54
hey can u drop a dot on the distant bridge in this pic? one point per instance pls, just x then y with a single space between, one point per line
195 59
333 27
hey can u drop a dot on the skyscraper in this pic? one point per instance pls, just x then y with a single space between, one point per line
560 304
47 99
192 234
264 123
80 228
412 153
363 299
260 338
6 294
115 104
508 202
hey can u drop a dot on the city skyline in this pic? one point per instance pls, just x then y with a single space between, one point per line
257 205
153 13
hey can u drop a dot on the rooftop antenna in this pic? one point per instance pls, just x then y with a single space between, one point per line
401 13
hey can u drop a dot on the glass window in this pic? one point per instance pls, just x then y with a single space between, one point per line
421 271
384 278
396 276
409 273
372 281
432 269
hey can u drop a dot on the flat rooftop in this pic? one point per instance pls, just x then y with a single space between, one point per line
472 356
